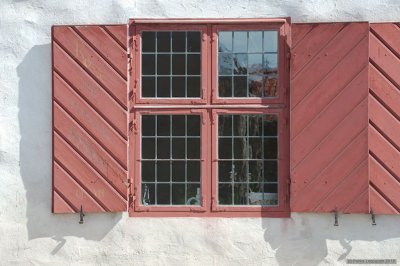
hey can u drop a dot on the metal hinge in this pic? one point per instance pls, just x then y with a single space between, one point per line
129 62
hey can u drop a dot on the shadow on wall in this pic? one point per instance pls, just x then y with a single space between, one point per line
303 239
35 157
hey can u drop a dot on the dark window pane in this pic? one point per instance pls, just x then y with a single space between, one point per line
193 42
225 86
178 41
178 87
240 41
255 64
224 171
270 171
178 194
193 171
163 146
225 64
148 125
225 125
240 194
193 148
148 64
240 125
149 151
178 64
193 66
148 171
178 148
256 171
163 84
178 171
255 41
270 125
240 86
163 64
163 127
225 41
271 85
270 148
255 86
148 41
270 188
255 148
240 64
239 148
163 42
225 194
240 171
193 194
148 194
148 87
178 125
193 87
224 148
163 171
193 125
163 194
255 125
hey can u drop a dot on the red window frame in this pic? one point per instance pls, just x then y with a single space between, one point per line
209 106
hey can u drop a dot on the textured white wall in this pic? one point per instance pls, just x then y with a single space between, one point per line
31 235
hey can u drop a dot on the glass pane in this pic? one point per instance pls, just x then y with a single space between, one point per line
163 125
148 87
149 151
255 64
163 87
193 194
178 194
193 42
193 125
148 42
255 86
270 63
148 64
193 66
163 64
178 125
163 41
193 148
163 148
163 171
255 41
148 194
193 87
148 171
178 148
178 64
148 125
225 64
225 86
254 162
240 41
178 171
178 87
193 171
271 85
163 194
240 86
240 64
225 41
270 41
178 41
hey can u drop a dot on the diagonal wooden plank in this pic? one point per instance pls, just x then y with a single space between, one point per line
389 34
119 33
379 204
299 31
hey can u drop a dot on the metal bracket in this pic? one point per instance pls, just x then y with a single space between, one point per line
336 218
81 214
373 217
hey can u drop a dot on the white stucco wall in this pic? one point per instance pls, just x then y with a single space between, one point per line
31 235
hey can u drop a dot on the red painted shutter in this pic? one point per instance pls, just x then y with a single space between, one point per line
90 129
384 117
329 117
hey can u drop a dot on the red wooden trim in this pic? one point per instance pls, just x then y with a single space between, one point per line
204 64
210 20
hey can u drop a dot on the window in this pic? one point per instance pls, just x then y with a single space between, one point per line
210 113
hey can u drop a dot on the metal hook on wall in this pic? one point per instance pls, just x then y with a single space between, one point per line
373 217
336 218
81 214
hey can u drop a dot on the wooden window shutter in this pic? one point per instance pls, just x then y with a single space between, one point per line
329 117
90 128
384 118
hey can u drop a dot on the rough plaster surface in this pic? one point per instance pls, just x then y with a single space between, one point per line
31 235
